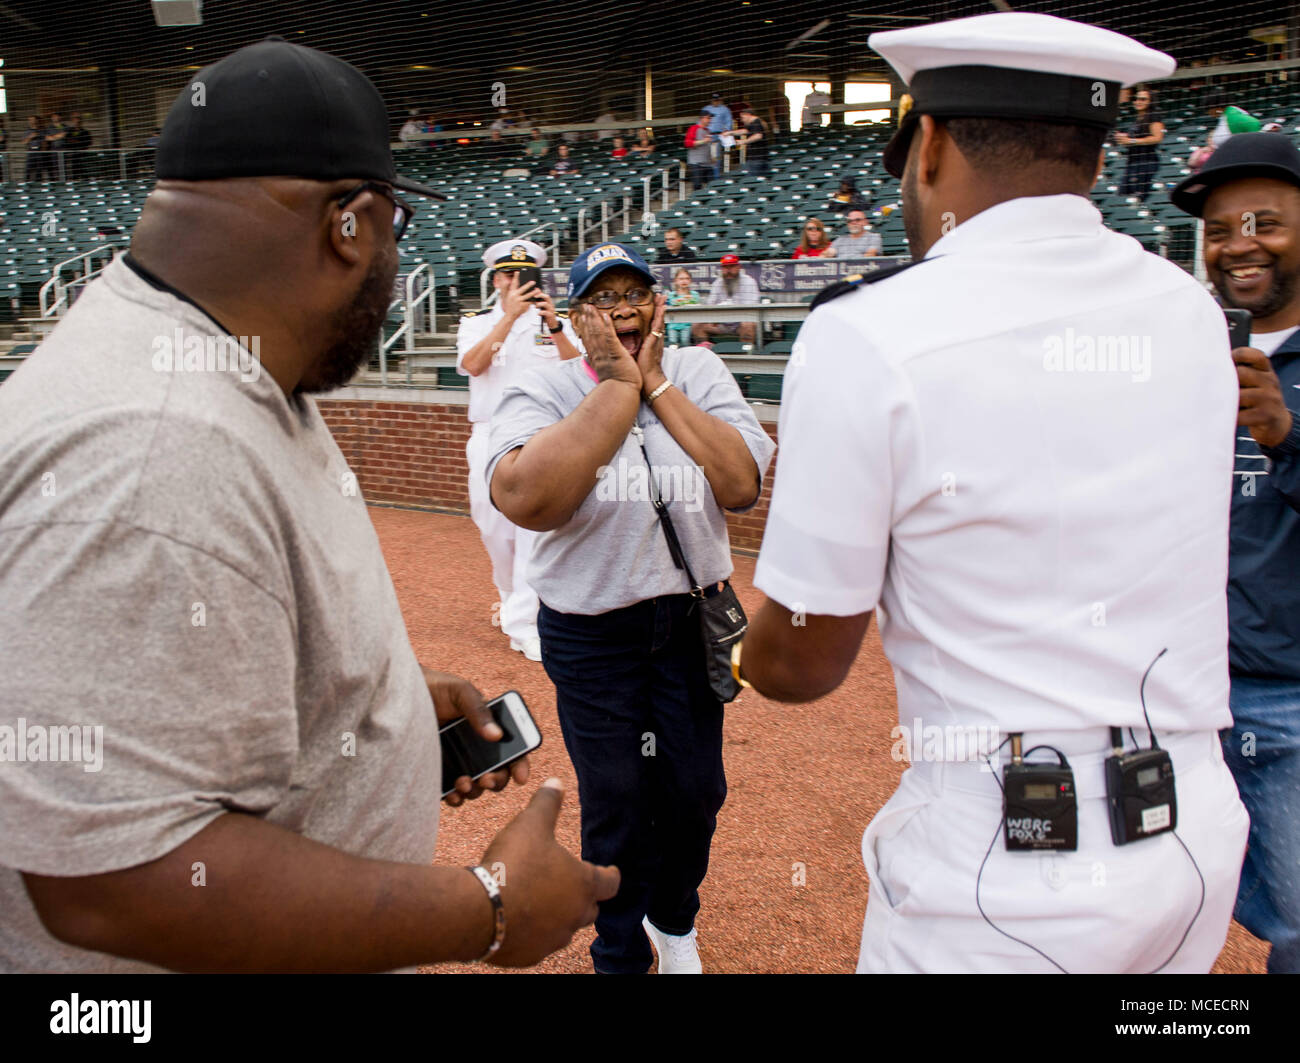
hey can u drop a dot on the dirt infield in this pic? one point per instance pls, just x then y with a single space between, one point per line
786 891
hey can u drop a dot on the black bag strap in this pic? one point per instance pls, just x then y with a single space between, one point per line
661 511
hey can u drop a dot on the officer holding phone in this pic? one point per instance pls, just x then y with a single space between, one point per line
493 348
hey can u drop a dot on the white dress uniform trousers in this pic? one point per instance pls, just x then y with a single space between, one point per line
1019 451
509 547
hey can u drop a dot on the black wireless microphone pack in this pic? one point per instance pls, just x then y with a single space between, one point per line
1039 804
1140 794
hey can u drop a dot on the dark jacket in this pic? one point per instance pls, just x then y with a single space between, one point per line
686 254
1264 556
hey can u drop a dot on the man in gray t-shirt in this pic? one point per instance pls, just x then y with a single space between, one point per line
859 241
217 748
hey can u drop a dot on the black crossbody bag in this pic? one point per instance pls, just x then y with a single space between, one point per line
722 620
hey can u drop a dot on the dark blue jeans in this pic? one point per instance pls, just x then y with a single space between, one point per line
644 733
1263 751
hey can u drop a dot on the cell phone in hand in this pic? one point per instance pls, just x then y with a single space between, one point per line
465 753
531 273
1238 327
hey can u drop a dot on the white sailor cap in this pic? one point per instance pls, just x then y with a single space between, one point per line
514 254
1012 64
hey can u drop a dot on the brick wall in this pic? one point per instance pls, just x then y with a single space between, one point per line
410 451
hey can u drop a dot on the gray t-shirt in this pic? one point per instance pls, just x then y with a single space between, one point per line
612 551
848 246
186 564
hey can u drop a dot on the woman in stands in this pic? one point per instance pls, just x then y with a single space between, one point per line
815 242
683 294
621 638
1141 138
644 146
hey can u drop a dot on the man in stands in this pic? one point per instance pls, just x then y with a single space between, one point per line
564 166
674 250
189 571
732 288
859 241
77 139
699 151
720 121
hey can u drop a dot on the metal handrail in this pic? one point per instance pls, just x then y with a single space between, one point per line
409 304
60 288
554 245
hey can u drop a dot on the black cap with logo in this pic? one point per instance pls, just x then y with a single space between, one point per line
1243 155
275 109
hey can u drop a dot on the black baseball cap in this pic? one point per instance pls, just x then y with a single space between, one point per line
1241 155
275 109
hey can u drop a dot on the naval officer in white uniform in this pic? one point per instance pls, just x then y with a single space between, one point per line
493 349
1016 449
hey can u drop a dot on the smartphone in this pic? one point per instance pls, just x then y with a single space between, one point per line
465 753
1238 327
530 273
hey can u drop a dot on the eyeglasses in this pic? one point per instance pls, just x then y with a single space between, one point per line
607 300
812 228
402 211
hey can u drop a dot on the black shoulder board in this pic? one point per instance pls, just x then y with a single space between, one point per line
849 284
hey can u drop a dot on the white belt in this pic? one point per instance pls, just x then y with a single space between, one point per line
1186 750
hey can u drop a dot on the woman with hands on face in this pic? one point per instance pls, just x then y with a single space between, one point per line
620 640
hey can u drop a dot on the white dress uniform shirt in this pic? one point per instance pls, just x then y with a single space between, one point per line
1020 451
523 348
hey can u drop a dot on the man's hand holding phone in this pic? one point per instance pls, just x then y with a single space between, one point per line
1261 407
517 298
454 698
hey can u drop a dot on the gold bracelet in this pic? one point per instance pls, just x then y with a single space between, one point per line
735 666
650 399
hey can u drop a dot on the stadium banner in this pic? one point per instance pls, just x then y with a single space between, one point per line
783 281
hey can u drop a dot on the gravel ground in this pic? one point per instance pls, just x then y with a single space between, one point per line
786 890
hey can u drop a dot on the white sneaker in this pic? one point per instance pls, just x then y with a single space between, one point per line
677 953
530 648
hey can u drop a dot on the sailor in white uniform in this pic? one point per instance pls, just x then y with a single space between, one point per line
1016 450
521 331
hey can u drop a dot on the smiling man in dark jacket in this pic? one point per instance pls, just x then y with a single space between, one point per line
1249 196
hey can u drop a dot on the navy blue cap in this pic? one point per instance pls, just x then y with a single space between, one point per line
1242 155
591 264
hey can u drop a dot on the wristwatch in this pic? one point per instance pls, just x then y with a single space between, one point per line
498 909
559 327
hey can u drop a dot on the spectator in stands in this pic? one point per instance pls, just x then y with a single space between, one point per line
4 135
815 242
496 148
503 120
411 128
674 250
76 141
1141 138
847 197
682 294
564 166
38 163
720 121
816 98
538 145
226 728
151 141
620 151
699 151
754 140
608 125
732 288
644 147
859 241
620 634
